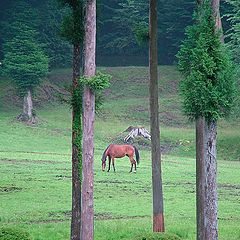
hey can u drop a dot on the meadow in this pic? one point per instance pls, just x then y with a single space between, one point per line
35 163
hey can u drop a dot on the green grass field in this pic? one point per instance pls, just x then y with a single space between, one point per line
35 165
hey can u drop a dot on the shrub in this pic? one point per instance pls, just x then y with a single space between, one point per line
157 236
7 233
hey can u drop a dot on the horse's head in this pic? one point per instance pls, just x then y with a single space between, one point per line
104 157
103 164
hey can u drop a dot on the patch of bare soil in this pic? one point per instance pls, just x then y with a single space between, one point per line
115 181
169 118
140 109
174 184
63 177
38 153
46 221
55 217
46 93
49 93
230 218
10 189
228 191
109 216
229 186
27 161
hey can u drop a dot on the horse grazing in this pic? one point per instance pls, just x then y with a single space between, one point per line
118 151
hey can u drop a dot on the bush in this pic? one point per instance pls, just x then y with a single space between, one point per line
157 236
7 233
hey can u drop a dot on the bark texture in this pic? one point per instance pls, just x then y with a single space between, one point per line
76 163
28 104
211 222
88 123
206 164
206 181
158 217
200 177
27 115
216 13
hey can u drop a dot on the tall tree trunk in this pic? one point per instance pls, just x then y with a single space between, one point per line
158 217
211 182
200 177
76 149
206 181
216 13
88 123
206 167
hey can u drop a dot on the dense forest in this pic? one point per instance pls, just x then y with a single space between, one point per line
97 73
121 28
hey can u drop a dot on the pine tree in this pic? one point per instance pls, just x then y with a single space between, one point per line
234 32
208 92
58 50
24 60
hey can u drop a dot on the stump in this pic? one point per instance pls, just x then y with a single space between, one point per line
134 132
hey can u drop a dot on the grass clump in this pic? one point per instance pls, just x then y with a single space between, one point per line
7 233
157 236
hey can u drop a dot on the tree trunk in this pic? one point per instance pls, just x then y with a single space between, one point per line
206 184
211 181
158 217
27 115
206 165
28 105
216 13
76 150
200 177
88 123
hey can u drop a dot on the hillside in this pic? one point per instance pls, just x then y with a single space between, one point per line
35 162
126 101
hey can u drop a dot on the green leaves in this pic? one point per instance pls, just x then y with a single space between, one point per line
97 83
208 86
72 28
234 33
24 61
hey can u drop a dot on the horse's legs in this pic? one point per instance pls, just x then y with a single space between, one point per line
109 163
133 162
113 164
131 168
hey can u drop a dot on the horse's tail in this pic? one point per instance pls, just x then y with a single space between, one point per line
104 154
137 154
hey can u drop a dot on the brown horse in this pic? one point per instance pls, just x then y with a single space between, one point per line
118 151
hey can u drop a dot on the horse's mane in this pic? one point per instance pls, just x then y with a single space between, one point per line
103 156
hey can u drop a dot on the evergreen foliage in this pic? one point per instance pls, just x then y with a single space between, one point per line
24 60
126 24
208 86
72 28
57 49
234 32
122 27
